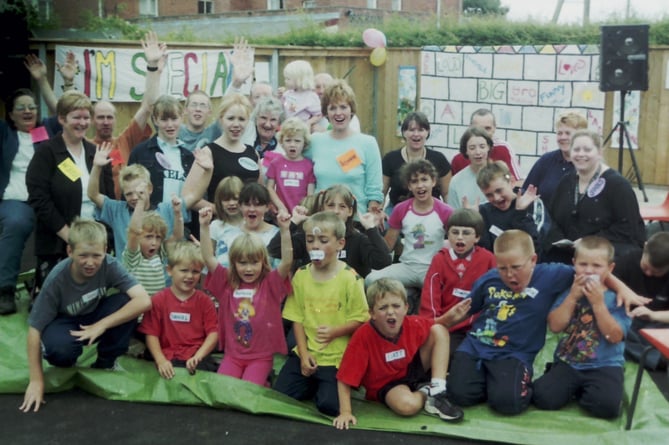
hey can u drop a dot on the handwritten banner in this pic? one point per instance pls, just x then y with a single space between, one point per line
118 74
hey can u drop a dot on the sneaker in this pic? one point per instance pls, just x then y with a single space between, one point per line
7 301
439 405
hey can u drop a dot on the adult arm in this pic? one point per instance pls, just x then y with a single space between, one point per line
39 72
198 178
155 54
373 177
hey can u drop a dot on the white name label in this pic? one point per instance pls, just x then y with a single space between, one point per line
243 293
460 293
395 355
291 183
180 317
90 296
495 230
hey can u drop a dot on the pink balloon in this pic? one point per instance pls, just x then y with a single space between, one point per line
374 38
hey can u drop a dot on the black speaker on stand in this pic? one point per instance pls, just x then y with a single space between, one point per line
623 66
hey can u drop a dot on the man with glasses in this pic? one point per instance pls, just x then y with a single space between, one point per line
494 362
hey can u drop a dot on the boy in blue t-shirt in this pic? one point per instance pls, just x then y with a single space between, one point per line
589 357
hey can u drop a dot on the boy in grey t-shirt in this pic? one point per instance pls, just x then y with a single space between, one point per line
75 308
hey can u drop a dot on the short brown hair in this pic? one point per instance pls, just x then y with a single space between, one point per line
383 286
594 242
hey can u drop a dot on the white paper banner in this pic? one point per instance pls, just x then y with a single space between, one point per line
118 74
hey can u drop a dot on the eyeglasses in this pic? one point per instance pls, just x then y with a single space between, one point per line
25 107
196 105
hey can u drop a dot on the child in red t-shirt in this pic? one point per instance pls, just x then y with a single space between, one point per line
181 326
393 354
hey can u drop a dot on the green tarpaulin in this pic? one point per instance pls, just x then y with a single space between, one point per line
138 381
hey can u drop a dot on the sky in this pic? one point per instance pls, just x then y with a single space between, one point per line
572 10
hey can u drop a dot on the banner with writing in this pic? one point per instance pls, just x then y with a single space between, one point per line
118 74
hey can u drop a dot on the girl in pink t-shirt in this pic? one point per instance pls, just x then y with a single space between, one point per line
249 294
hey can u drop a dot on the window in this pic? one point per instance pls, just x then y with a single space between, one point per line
396 5
274 5
371 4
148 8
205 6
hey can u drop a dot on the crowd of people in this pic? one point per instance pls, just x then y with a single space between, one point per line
279 228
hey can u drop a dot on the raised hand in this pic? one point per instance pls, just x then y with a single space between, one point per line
69 68
203 158
35 66
101 157
242 61
205 215
523 200
283 219
154 51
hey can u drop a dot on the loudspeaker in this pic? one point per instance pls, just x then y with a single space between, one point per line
623 59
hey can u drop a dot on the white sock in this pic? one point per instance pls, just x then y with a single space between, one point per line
437 386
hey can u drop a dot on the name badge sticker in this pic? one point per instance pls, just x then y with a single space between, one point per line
243 293
291 182
70 169
90 296
395 355
349 160
180 317
495 230
531 292
460 293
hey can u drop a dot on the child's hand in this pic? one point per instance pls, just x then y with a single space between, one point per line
191 364
642 312
467 205
458 312
280 91
308 365
324 334
342 421
203 158
101 157
176 204
300 214
194 240
283 220
165 369
142 192
524 200
593 291
205 216
371 220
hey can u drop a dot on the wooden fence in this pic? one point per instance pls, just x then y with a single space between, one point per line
376 90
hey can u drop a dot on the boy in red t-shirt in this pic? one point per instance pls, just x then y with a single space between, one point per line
182 326
393 355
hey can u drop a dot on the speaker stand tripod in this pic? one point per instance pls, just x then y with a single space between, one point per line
623 136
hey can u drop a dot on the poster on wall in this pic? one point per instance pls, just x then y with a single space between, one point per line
406 94
631 118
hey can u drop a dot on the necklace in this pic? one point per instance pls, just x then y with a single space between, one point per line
407 158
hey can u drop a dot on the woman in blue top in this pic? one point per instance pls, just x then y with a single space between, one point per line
19 136
343 156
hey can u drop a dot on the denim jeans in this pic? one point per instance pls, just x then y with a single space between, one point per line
17 221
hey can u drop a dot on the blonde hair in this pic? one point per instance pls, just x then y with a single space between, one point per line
252 248
231 100
132 172
153 222
228 188
326 221
514 239
303 74
292 127
384 286
492 171
73 100
84 230
183 252
572 119
594 242
594 137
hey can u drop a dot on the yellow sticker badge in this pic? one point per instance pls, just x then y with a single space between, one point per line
69 169
349 160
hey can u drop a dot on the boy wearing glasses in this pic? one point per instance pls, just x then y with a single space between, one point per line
494 362
453 271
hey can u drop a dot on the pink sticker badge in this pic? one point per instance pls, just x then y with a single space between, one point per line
39 134
163 161
596 187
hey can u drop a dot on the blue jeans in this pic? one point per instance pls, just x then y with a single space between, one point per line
17 221
61 349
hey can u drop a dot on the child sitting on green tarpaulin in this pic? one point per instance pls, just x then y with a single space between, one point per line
400 359
75 308
589 357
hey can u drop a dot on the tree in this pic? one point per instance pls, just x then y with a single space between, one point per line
483 7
